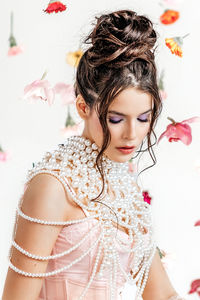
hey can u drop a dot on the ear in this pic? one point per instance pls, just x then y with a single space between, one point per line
82 108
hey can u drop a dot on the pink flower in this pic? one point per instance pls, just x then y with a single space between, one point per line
66 91
72 130
179 131
195 287
15 50
197 223
40 89
146 196
163 94
4 156
168 259
132 167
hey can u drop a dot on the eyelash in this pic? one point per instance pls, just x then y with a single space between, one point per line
115 122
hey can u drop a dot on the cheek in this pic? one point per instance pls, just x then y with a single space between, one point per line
143 131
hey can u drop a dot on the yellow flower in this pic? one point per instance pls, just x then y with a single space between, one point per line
73 58
175 44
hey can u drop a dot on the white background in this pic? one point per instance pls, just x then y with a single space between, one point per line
27 130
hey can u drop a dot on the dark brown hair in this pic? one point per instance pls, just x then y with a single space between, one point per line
121 55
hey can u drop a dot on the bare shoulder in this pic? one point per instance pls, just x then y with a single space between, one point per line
46 197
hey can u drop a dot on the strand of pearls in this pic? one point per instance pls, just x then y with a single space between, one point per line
93 272
144 271
39 221
111 286
20 249
29 274
128 276
114 273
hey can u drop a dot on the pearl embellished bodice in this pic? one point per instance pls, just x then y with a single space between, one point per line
99 254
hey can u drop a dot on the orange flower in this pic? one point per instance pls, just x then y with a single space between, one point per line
175 44
73 58
169 16
172 44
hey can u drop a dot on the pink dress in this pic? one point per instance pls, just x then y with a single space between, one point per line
92 260
68 285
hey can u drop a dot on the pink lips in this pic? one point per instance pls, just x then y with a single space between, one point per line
126 150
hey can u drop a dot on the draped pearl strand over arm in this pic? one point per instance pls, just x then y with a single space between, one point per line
74 165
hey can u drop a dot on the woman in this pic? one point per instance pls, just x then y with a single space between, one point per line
83 228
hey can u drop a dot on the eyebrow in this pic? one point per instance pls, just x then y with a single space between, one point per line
121 114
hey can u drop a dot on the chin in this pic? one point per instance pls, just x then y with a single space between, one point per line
121 158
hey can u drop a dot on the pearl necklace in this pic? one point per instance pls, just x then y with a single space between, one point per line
76 161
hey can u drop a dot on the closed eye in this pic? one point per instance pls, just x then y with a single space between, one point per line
115 121
143 120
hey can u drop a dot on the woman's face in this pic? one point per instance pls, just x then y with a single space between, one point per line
128 120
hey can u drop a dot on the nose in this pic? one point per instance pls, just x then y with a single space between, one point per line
130 131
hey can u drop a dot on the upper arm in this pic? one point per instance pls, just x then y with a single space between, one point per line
158 286
45 199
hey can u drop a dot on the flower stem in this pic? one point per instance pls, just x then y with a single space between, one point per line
69 121
172 120
44 75
11 23
185 35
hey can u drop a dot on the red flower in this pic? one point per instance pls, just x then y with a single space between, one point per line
197 223
146 196
195 287
179 131
55 6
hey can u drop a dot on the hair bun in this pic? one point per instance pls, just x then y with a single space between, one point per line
119 38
